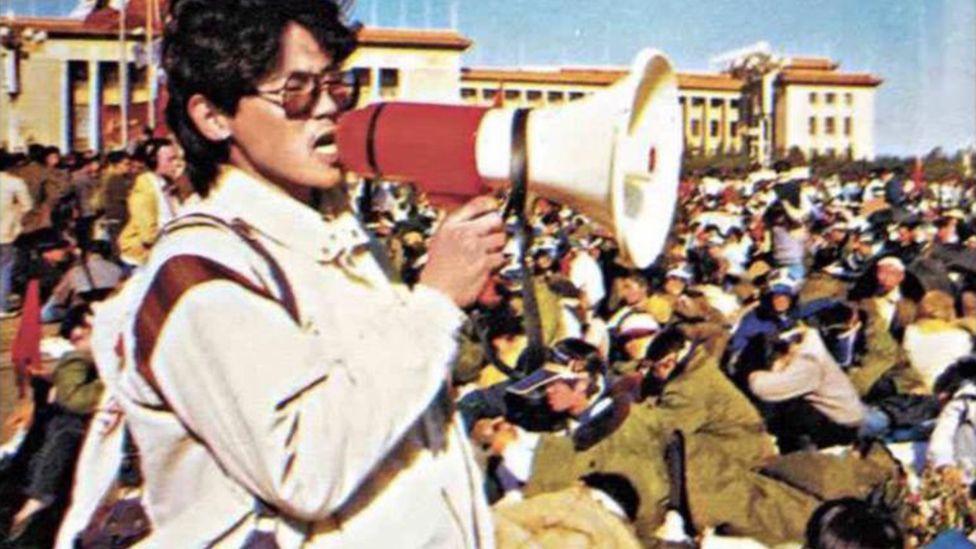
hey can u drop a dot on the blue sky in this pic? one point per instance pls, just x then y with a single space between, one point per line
925 50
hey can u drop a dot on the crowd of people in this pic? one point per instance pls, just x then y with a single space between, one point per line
788 314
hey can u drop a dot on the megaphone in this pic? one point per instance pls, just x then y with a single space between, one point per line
614 155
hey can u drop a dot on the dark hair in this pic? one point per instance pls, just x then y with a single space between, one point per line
222 50
670 340
116 157
74 318
619 488
850 523
36 152
148 151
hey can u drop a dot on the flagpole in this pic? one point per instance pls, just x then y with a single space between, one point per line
150 64
123 79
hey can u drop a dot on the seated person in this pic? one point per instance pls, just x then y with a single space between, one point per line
809 400
682 389
935 340
77 391
93 276
953 442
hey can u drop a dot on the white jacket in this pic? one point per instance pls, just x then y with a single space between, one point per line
338 420
15 201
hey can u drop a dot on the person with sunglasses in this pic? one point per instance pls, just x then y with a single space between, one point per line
281 389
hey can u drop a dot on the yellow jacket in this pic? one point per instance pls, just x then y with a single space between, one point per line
140 230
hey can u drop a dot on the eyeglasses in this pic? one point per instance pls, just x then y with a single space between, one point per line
302 90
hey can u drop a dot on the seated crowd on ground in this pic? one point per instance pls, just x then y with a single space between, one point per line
745 385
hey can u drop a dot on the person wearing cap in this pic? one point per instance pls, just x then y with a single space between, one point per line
887 305
775 312
677 300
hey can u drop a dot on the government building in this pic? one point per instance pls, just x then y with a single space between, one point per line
63 83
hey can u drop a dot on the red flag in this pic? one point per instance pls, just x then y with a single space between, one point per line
26 350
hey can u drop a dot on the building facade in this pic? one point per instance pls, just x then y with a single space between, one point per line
63 84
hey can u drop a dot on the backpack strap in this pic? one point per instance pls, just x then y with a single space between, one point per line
181 273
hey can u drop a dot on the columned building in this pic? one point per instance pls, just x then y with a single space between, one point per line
62 83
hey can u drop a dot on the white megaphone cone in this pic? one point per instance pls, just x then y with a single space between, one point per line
614 156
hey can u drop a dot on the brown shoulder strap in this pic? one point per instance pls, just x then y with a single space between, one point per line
181 273
177 276
286 296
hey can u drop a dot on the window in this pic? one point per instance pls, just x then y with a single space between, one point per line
717 103
695 127
734 104
389 82
575 95
813 125
831 97
681 101
512 95
713 128
555 96
849 98
733 128
813 98
489 93
829 125
468 93
848 126
364 77
697 101
533 95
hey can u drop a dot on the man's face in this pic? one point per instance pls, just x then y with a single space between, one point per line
781 303
632 292
168 162
564 395
674 285
889 277
663 368
292 153
51 159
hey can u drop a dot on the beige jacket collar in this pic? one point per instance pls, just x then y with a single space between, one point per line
279 217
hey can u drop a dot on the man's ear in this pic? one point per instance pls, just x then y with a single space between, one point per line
210 121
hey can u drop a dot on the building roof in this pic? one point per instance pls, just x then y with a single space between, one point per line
592 77
812 63
828 78
414 38
710 82
105 24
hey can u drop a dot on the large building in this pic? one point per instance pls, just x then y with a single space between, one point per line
63 83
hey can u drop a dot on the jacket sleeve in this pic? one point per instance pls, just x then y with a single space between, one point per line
77 391
797 379
298 422
941 450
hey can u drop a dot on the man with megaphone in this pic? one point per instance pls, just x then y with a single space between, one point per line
278 386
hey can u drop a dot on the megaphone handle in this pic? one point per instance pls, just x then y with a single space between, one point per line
519 175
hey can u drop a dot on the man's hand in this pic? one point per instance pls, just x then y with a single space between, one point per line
465 250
